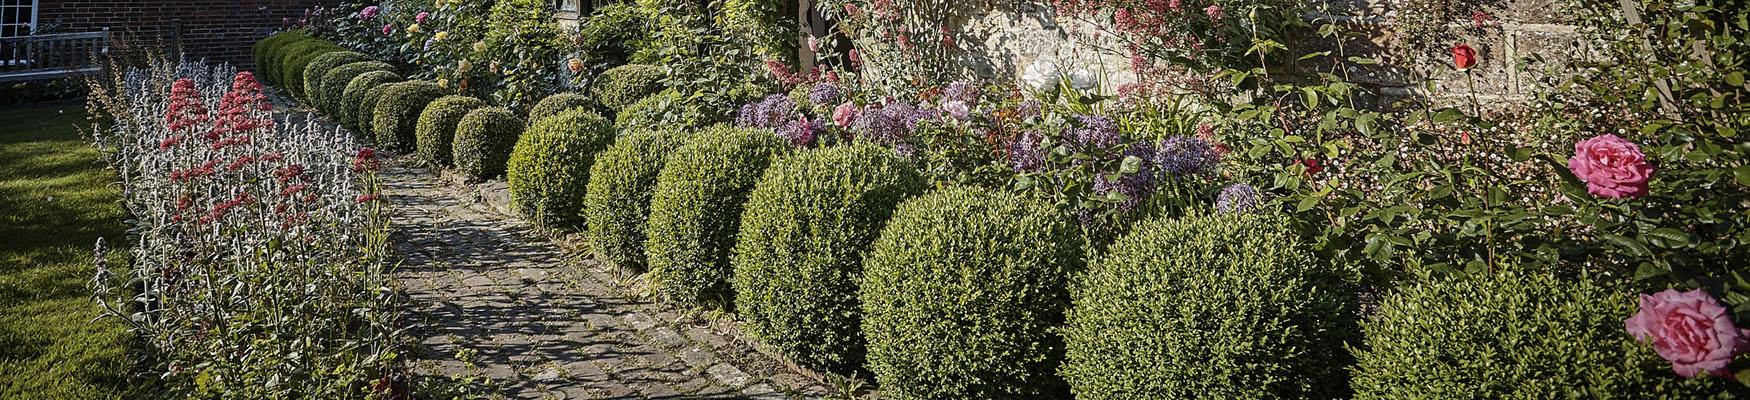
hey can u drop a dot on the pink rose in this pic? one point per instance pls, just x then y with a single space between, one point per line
369 12
845 115
422 17
1690 329
388 29
1613 168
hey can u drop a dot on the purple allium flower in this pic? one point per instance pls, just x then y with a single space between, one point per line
1184 155
1096 132
957 109
824 94
963 91
802 132
1237 198
1028 109
1135 186
1025 154
879 126
772 112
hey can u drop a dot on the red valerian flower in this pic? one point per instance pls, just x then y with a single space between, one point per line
366 161
1464 57
366 198
186 108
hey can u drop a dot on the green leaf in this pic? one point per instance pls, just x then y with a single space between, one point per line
1736 78
1447 116
1306 204
1669 237
1648 271
1743 175
1628 245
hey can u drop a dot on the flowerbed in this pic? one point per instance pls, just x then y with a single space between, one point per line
1164 192
258 255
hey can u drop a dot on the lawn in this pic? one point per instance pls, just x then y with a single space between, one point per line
56 199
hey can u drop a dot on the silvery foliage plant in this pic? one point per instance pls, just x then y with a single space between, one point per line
256 260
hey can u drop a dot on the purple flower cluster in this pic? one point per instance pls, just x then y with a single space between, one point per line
963 91
1025 154
1028 109
802 132
772 112
1237 198
892 123
824 94
1185 155
1134 186
1095 133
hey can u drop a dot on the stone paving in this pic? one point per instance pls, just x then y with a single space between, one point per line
512 313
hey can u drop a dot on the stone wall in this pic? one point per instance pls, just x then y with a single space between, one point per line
218 30
1519 44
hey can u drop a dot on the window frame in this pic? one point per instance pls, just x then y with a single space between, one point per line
29 24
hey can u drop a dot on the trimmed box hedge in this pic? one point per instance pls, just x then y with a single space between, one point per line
353 99
616 205
334 82
1515 335
800 251
558 103
962 294
396 113
297 56
549 169
696 211
315 72
266 53
1218 306
436 133
484 140
621 86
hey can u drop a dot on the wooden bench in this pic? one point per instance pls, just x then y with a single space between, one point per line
39 57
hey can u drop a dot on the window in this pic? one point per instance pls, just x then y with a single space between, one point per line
17 17
570 6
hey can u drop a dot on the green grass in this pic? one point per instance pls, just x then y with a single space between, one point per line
56 199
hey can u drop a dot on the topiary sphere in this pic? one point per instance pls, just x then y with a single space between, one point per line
1220 306
617 202
1514 335
396 113
435 135
549 168
800 251
318 69
666 110
353 99
296 57
484 141
266 53
555 104
621 86
333 89
961 295
696 211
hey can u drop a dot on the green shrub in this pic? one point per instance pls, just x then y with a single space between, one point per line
297 56
549 168
353 99
800 251
333 88
1513 336
525 38
318 69
611 35
1223 306
484 140
617 203
962 292
696 209
266 53
436 133
396 113
558 103
367 112
621 86
666 110
768 27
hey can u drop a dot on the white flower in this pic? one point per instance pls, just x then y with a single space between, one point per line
1042 75
1083 79
957 109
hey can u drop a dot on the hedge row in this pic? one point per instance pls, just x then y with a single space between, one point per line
617 201
696 211
435 136
550 166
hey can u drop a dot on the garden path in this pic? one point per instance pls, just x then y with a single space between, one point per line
496 305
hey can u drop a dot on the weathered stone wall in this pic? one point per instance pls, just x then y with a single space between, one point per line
1520 42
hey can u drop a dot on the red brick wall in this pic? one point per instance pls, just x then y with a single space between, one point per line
218 30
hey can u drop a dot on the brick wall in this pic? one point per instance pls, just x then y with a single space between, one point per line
218 30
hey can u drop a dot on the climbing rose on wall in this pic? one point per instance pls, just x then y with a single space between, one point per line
1612 168
1690 329
1464 57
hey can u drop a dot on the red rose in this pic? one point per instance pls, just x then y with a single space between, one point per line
1312 166
1464 56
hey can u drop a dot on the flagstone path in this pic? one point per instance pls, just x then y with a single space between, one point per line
514 314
